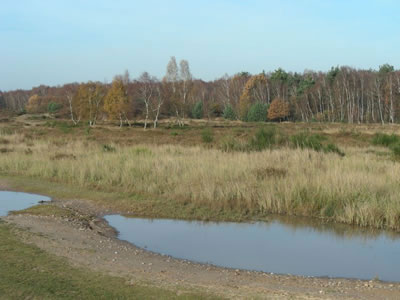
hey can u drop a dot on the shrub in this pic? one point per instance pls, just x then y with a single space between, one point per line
303 140
207 135
391 141
229 113
333 149
264 138
108 148
257 112
65 127
314 142
197 112
53 107
386 140
396 149
230 144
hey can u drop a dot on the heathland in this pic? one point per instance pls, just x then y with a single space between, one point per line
216 170
205 170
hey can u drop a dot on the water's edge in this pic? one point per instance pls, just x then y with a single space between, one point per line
292 246
275 247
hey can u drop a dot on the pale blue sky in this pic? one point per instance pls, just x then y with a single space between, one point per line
59 41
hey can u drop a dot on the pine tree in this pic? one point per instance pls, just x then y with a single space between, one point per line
197 111
229 113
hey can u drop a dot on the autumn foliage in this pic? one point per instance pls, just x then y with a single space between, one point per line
116 101
278 110
254 91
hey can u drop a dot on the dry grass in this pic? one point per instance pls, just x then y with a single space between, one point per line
362 188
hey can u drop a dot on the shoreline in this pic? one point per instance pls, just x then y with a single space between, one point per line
98 248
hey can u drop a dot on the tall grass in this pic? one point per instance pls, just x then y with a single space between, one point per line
356 189
391 141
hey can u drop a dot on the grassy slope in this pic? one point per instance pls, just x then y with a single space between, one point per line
26 272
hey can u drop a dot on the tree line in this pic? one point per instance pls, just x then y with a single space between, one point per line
343 94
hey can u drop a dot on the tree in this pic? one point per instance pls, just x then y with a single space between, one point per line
255 91
257 112
229 113
33 104
278 110
186 85
69 92
158 103
197 111
180 83
88 101
280 79
147 91
116 101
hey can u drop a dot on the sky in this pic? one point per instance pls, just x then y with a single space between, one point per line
53 42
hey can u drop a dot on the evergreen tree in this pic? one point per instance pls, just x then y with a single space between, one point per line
257 112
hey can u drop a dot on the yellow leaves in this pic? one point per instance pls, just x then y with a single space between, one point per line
116 100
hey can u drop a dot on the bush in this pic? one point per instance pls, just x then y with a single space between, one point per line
108 148
382 139
230 144
197 112
396 150
391 141
229 113
314 142
257 113
207 135
65 127
333 149
53 107
303 140
264 138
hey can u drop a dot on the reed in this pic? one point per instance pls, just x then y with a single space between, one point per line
361 188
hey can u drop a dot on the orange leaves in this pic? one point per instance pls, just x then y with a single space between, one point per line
278 110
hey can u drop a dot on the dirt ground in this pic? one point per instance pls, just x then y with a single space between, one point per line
94 245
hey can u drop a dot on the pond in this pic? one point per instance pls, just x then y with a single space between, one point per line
296 246
10 201
284 246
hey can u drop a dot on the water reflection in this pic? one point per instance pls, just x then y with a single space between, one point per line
284 245
339 230
11 201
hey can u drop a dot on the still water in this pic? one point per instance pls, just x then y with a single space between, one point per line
281 246
284 245
17 201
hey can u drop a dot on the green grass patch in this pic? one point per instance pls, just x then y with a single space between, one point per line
28 272
314 142
63 126
386 140
207 135
391 141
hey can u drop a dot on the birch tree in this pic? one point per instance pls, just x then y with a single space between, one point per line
116 101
